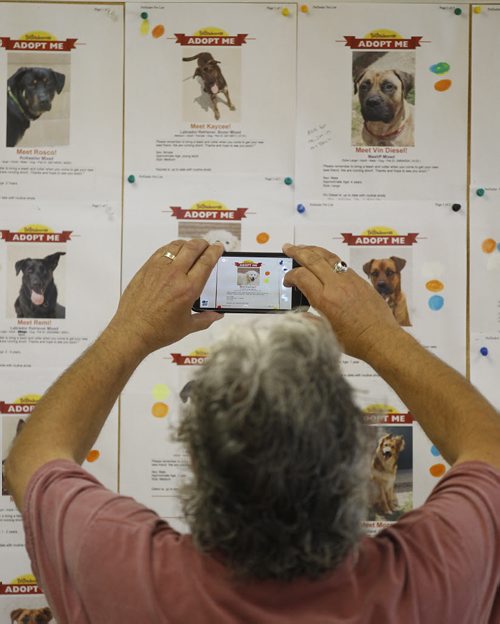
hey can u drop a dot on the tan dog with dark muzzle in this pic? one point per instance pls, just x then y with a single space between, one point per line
31 616
387 114
385 275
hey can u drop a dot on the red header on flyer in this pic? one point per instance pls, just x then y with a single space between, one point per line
360 240
35 237
19 589
209 215
388 419
37 45
187 360
16 408
382 43
210 40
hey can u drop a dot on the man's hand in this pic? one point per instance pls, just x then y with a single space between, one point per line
460 422
357 313
155 309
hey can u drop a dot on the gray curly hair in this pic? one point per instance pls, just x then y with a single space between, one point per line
279 451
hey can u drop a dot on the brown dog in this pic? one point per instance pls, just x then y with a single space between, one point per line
385 275
213 80
388 116
383 473
31 616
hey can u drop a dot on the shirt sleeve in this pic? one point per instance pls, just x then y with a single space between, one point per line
87 545
451 546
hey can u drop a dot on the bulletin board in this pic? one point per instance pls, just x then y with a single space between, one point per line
370 132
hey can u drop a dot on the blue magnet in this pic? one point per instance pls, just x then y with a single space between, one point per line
435 451
301 208
483 351
436 302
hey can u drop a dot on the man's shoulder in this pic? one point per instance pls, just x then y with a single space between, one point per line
467 492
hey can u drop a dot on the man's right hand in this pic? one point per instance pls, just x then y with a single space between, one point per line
357 313
458 420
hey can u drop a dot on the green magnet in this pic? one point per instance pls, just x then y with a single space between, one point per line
440 68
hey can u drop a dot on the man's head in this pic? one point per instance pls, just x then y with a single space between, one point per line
280 453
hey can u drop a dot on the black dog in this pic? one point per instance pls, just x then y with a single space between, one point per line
213 80
20 425
30 92
38 294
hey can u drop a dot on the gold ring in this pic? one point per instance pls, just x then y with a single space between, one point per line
169 255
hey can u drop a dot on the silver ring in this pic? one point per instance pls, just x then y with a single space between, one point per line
340 267
169 255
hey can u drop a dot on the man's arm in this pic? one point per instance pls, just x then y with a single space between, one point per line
154 311
453 414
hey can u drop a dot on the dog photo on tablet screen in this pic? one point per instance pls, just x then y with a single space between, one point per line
248 277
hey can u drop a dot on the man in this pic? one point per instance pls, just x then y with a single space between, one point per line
104 558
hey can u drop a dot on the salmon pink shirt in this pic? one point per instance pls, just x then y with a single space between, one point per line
102 558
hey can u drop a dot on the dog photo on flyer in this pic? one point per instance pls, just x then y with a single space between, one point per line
391 473
384 98
211 83
38 99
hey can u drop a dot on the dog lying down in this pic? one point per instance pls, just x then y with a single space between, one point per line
38 294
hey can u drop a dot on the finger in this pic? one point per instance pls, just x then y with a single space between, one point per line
318 260
305 281
200 271
330 256
203 320
173 247
189 253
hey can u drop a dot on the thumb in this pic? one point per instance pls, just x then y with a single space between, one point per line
305 281
203 320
